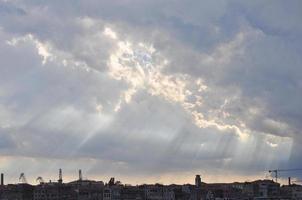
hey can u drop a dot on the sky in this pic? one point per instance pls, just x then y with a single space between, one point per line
150 90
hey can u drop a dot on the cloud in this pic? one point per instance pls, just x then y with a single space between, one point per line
150 88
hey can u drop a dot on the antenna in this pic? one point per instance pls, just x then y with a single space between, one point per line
276 171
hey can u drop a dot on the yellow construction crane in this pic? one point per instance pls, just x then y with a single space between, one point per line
276 171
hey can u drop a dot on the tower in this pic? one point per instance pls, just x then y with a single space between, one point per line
2 179
60 176
197 181
80 175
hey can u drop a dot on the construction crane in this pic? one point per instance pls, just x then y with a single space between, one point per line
22 178
111 181
40 180
276 171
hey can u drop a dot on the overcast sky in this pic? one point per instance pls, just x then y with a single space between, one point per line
150 90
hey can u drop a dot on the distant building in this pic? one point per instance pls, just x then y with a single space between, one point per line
16 192
154 192
107 193
88 189
112 192
261 189
291 192
132 193
168 193
197 181
54 191
222 191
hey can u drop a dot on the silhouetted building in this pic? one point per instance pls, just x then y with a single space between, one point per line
17 192
292 191
168 193
154 192
54 191
261 189
88 189
96 190
132 193
197 181
112 192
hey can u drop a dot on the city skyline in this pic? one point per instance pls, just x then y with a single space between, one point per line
151 91
82 189
62 178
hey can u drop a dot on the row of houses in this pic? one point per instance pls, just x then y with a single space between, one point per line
97 190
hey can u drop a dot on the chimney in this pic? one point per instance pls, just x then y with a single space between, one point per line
80 175
60 176
2 179
289 182
197 181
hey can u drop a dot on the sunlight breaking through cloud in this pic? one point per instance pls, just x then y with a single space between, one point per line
141 66
150 90
44 49
50 54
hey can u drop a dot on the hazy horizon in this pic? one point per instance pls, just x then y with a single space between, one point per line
185 178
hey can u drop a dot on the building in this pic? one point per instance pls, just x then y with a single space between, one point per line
168 193
132 193
88 189
54 191
261 189
22 191
154 192
97 190
112 192
197 181
291 192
